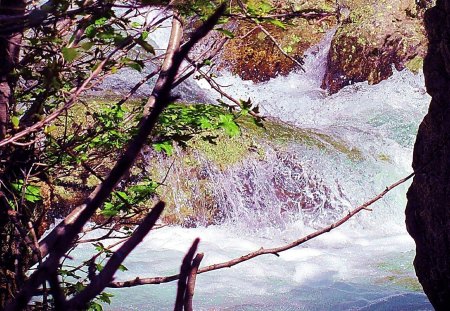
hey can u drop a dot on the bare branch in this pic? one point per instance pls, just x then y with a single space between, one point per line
265 251
189 295
280 48
56 291
176 35
99 282
185 272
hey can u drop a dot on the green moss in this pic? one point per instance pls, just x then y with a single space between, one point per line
415 64
224 151
92 181
283 133
400 272
383 157
62 192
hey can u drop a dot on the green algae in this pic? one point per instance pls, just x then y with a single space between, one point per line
415 65
399 272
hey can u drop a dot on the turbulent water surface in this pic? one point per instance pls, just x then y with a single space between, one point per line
364 265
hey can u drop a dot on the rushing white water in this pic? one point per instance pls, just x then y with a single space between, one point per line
363 265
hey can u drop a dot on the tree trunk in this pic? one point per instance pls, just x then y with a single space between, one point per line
12 251
9 56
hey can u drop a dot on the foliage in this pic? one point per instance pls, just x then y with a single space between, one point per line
69 139
180 123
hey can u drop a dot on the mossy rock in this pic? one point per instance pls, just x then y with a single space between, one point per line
253 55
374 37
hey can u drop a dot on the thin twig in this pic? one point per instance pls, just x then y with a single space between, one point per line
263 251
297 62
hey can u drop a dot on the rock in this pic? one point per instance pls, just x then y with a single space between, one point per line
254 56
374 36
428 208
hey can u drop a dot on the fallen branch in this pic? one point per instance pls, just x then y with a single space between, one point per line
264 251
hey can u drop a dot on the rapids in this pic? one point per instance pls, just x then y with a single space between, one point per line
364 265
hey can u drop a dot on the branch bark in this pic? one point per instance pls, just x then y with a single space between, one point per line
9 57
99 282
264 251
185 272
189 295
176 34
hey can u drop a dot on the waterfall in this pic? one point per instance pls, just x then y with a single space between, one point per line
340 151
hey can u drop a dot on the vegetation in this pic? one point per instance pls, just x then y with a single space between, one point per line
52 136
57 145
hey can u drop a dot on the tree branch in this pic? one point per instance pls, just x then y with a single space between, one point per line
185 272
264 251
99 282
176 35
61 238
189 295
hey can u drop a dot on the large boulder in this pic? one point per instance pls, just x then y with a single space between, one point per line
428 208
374 36
253 55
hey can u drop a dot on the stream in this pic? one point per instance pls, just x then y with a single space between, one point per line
366 264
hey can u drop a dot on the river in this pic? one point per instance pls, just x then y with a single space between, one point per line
364 265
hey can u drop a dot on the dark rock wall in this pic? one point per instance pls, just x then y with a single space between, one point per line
428 208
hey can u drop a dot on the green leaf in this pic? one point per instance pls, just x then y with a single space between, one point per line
93 306
144 35
101 21
146 46
135 25
205 123
122 268
228 124
105 297
15 121
87 45
246 104
32 193
226 32
90 31
165 146
277 23
69 54
135 64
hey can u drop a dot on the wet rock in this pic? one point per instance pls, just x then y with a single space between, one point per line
253 55
428 208
374 37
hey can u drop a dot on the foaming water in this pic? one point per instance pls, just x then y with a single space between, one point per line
363 138
344 270
366 264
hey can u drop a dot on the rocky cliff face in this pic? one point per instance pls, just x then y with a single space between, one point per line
428 209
